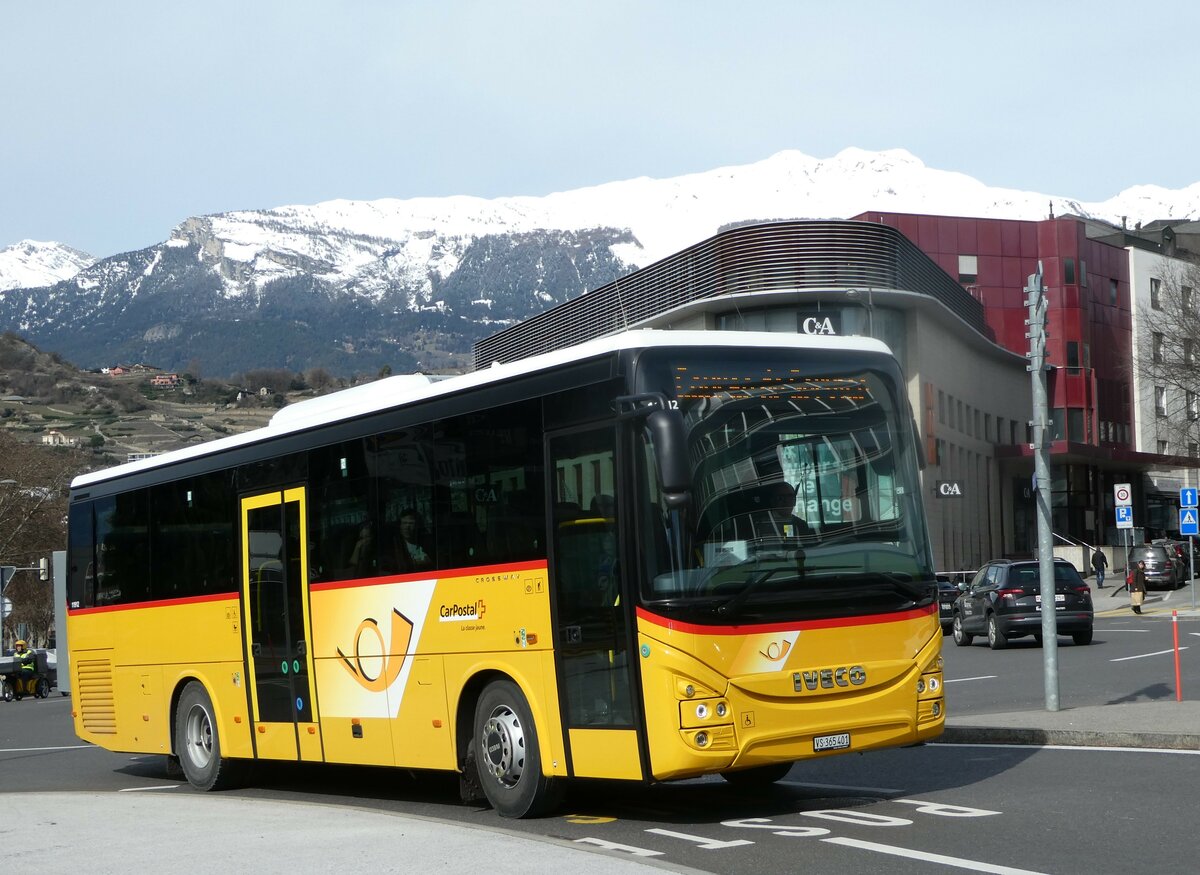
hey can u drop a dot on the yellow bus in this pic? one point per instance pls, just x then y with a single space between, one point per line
653 556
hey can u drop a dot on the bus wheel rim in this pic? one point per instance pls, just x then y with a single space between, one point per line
199 737
504 745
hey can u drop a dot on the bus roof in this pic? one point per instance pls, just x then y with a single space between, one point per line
404 389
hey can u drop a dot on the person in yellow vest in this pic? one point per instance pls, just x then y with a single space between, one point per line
26 666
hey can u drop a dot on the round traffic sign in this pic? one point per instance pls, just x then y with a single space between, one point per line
1121 491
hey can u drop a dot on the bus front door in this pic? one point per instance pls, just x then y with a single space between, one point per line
275 593
592 644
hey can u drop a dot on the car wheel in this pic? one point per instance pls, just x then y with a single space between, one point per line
961 637
1081 638
996 639
759 776
508 755
198 743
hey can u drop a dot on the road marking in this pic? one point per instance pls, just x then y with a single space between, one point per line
973 865
613 846
1131 630
982 677
1083 747
1144 655
156 787
33 749
702 842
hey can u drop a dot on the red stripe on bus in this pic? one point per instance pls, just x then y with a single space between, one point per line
754 628
164 603
438 574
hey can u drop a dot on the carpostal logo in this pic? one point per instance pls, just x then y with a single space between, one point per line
462 613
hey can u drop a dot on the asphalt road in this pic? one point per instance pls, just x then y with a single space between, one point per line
926 809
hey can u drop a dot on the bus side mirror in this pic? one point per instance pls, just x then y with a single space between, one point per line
669 440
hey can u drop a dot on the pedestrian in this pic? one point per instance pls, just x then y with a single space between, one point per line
1099 563
1137 587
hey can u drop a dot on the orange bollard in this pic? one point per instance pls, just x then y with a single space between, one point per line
1175 629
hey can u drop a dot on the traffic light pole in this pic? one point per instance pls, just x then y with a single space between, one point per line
1035 293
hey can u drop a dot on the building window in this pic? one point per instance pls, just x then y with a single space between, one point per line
1188 347
1073 355
1075 425
941 407
1069 271
1187 298
1191 451
1087 356
968 268
987 426
1112 293
1156 293
1160 400
1193 407
1083 273
1156 347
1163 448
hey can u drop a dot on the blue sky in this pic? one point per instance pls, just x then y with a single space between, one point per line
119 120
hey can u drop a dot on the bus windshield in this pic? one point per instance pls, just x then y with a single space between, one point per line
804 494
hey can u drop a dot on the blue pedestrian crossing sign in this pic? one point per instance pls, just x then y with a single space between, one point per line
1124 517
1189 521
1187 496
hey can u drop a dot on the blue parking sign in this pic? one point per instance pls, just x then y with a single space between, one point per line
1124 517
1189 521
1188 496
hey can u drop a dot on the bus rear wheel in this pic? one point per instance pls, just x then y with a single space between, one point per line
507 754
198 743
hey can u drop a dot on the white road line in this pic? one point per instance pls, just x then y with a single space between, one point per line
34 749
959 862
982 677
158 787
1144 655
1084 747
1106 631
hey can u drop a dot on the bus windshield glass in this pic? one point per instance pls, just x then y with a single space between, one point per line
804 497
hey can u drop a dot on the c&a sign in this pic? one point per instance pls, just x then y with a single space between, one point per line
948 489
817 322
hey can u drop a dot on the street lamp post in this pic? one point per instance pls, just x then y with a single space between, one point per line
869 303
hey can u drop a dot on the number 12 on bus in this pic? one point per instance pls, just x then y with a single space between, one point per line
653 556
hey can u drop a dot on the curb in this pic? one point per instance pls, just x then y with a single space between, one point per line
1068 737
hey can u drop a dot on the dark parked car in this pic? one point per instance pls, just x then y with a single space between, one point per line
1003 601
1164 568
947 594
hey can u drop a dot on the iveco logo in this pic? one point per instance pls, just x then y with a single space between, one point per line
814 325
828 678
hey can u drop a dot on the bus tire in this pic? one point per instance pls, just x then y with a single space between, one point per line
507 753
759 776
198 743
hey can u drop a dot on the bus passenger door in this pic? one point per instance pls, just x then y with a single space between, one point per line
275 594
592 634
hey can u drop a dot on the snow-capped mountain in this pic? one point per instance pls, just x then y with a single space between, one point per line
30 264
350 284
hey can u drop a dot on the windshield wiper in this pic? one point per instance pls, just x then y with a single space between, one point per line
752 583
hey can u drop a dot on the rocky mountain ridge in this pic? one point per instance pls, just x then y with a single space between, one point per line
409 284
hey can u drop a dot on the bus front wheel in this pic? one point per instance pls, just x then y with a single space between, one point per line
507 753
198 743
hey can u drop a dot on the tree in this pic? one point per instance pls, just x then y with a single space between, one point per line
33 523
1168 354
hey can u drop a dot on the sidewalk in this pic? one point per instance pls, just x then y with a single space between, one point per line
120 833
1164 725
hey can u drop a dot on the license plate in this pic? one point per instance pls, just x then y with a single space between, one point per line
1058 597
947 606
840 741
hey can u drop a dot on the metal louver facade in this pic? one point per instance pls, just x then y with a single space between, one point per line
778 256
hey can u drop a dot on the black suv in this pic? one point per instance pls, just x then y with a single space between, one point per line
1164 568
1003 601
